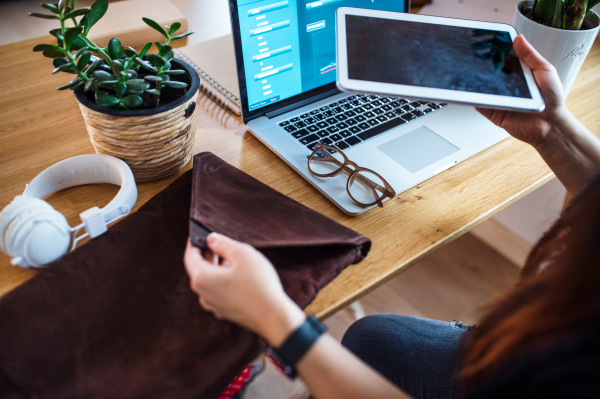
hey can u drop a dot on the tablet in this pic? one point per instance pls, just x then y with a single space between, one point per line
432 58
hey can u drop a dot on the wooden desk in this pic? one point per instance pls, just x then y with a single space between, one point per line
40 126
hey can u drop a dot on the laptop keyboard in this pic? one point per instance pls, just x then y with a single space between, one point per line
355 119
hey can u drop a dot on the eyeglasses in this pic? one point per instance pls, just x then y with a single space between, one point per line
365 186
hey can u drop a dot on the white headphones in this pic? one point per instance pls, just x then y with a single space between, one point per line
33 234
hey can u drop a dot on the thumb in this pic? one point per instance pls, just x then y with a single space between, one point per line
196 266
227 248
530 56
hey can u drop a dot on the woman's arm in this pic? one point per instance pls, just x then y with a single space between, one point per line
567 146
246 290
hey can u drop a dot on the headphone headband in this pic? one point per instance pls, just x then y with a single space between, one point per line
87 169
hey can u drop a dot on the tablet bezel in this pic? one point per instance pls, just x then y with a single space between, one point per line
535 104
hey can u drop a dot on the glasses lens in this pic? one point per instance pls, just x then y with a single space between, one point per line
326 161
366 187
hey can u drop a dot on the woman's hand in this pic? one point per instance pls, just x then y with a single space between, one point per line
534 128
244 288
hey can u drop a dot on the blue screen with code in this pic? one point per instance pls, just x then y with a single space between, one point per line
289 45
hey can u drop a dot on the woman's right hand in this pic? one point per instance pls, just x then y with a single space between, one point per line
534 128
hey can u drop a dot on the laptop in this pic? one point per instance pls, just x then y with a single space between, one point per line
286 65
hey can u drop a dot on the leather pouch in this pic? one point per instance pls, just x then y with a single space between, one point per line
116 317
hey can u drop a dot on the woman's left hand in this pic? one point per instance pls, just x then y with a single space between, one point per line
244 288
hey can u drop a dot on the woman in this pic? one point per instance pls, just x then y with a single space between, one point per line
538 341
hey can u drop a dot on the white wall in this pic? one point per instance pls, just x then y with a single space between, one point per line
533 215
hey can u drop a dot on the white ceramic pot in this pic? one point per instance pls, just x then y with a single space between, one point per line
565 49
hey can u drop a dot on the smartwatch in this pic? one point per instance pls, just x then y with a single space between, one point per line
296 345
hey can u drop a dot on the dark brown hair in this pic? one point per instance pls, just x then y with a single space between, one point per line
559 294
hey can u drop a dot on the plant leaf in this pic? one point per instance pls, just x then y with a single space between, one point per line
123 107
98 10
173 28
145 49
62 67
156 60
44 16
84 60
129 52
132 101
117 67
153 24
169 56
62 5
78 12
174 72
132 74
591 4
153 78
189 32
89 84
165 50
105 67
121 89
144 64
107 101
58 61
115 49
175 85
54 32
136 92
167 66
93 66
46 47
137 84
71 34
51 7
109 84
53 53
79 52
153 91
72 83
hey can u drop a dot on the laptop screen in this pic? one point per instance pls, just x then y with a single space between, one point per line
288 46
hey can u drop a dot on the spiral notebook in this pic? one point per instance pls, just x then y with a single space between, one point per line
214 60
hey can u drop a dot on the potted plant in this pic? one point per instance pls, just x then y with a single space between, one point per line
139 107
563 31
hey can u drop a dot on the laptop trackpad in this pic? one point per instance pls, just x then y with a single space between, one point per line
418 149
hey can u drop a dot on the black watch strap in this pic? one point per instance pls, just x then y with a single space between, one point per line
297 344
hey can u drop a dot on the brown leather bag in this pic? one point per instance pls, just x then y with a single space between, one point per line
116 317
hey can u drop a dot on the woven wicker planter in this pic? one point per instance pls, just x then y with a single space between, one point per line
155 142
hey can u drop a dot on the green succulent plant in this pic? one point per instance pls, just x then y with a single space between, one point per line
112 73
562 14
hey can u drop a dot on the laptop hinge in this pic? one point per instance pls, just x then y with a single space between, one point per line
301 103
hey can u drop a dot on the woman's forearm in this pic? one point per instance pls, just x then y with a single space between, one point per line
329 370
572 152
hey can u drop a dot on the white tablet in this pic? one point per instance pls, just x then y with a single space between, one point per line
432 58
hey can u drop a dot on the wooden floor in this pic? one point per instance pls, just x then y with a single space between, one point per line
455 283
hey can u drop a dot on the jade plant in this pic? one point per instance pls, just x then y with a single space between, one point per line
118 76
562 14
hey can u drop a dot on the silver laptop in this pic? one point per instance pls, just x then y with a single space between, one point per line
285 55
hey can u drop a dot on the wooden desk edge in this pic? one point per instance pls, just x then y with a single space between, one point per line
342 303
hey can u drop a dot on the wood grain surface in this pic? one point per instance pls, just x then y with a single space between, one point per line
40 126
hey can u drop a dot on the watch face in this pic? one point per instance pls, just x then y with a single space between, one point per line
279 363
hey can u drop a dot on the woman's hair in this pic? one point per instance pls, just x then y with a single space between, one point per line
559 294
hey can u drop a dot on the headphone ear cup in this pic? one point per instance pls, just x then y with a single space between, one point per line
38 235
18 205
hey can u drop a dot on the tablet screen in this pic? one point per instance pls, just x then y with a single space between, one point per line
435 56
